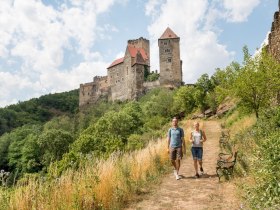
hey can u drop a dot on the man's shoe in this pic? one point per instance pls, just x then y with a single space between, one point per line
177 177
196 176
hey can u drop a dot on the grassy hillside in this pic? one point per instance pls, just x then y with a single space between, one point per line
258 144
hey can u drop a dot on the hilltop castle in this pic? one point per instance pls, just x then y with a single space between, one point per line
125 76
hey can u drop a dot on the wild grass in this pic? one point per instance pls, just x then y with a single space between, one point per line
98 184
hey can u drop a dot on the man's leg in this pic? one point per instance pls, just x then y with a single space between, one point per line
174 164
179 157
178 165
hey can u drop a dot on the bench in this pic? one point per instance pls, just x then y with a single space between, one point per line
224 138
225 164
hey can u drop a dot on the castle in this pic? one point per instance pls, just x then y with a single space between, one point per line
125 78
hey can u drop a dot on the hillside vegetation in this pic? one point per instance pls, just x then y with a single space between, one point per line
100 157
38 110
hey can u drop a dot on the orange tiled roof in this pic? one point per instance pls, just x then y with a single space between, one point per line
168 34
116 62
133 51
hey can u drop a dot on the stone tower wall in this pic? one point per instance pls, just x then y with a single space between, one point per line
170 63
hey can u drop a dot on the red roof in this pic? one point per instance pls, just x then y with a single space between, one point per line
168 34
133 51
116 62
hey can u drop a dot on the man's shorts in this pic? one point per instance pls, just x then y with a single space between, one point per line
197 153
176 153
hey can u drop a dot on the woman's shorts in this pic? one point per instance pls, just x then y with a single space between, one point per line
197 153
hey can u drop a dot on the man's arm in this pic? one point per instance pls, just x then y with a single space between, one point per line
191 138
168 141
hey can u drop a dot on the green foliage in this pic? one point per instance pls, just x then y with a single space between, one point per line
53 144
184 99
158 102
152 77
31 155
203 87
135 142
223 80
255 85
37 110
265 162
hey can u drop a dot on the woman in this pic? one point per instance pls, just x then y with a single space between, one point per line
197 138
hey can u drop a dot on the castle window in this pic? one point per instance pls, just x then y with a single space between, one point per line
167 50
165 43
122 79
168 60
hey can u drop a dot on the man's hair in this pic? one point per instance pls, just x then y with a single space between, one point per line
174 118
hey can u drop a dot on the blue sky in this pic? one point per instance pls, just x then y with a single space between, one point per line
49 46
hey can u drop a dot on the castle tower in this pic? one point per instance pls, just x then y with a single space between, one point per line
169 59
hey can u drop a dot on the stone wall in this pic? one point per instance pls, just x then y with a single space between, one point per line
90 92
151 85
274 36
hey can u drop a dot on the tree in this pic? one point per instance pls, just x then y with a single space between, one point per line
203 87
53 144
258 82
184 99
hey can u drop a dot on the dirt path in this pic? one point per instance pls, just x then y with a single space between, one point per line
195 194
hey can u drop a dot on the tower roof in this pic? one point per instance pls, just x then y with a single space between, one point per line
168 34
116 62
139 59
133 52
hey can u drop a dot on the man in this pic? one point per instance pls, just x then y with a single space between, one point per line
197 138
176 145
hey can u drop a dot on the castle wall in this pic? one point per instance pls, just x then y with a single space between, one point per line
117 82
86 94
90 92
151 85
274 37
170 63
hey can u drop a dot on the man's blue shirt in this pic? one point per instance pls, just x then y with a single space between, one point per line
175 135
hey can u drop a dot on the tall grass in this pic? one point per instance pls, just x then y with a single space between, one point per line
98 184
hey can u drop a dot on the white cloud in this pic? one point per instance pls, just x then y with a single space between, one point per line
193 22
36 36
239 10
